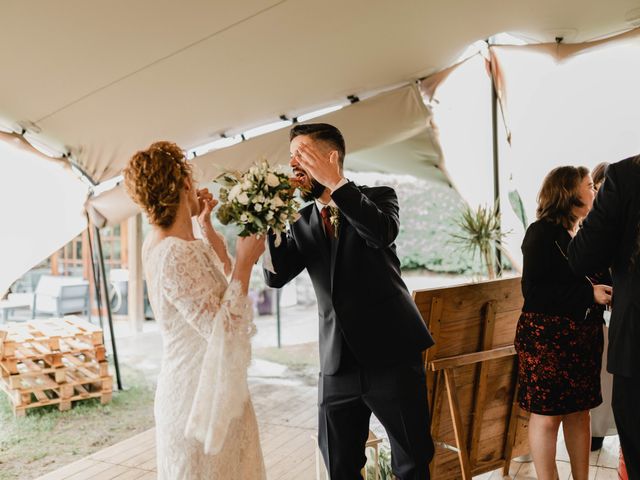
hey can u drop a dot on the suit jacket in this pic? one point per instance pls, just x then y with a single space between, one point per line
608 238
363 304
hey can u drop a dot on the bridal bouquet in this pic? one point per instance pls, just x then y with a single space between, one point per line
257 200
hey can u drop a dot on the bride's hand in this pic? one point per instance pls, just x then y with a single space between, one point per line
207 203
249 249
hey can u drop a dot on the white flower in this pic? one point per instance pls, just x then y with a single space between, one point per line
235 190
246 185
269 215
283 217
272 180
243 198
244 218
257 207
277 201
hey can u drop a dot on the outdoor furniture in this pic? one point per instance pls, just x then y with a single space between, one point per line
59 296
373 442
53 362
476 423
13 302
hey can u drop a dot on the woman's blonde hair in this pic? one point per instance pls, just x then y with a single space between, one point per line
154 179
560 194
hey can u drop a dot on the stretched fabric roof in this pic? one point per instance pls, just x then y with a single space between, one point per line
103 79
390 132
40 213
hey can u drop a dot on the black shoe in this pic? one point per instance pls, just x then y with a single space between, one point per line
596 443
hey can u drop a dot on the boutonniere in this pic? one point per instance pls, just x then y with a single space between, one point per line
334 218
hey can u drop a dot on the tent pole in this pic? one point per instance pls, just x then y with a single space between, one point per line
96 276
496 167
278 315
108 305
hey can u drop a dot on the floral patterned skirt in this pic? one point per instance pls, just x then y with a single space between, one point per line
559 362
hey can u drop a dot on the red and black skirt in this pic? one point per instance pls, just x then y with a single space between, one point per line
559 362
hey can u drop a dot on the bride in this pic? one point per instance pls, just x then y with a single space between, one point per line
205 423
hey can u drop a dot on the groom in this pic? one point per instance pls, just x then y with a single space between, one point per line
371 333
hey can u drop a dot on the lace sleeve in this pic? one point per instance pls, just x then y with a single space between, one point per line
222 390
186 284
218 261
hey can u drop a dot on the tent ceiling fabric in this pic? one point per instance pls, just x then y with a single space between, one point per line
106 79
385 119
390 132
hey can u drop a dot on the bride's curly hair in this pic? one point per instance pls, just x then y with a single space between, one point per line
154 179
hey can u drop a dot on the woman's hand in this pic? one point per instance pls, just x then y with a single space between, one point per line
602 294
206 203
249 249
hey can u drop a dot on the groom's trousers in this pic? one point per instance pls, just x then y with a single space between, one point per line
397 396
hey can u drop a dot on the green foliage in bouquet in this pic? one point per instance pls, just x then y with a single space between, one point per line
481 233
257 200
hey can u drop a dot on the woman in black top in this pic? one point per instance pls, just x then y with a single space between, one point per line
558 340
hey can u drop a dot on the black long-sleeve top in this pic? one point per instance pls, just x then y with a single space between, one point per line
548 283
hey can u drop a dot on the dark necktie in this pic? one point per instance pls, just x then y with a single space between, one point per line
325 213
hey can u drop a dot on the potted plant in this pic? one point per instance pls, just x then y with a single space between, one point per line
481 233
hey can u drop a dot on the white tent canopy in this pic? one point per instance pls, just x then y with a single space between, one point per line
390 132
101 80
40 213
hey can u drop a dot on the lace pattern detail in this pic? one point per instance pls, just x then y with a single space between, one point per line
217 260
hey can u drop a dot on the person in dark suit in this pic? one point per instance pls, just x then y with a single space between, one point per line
602 421
610 237
371 333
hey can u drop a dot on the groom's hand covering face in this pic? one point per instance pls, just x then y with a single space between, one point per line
315 166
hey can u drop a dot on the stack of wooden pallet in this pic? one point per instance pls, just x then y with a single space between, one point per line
53 362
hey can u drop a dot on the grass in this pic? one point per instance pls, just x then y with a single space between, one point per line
302 360
47 439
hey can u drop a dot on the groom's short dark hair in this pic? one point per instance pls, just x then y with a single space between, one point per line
321 131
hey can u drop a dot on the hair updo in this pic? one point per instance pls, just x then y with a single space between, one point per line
154 179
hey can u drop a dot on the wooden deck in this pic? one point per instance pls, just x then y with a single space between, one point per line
287 418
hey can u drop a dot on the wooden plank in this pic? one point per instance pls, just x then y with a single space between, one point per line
68 471
436 414
481 382
454 408
472 358
433 324
511 429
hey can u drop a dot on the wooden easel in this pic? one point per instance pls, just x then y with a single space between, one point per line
472 368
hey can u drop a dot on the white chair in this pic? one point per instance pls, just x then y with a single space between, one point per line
59 296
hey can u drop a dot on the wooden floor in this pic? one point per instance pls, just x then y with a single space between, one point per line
287 418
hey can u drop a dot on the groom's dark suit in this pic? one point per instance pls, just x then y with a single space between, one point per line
371 333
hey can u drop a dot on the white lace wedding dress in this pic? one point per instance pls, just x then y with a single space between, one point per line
205 423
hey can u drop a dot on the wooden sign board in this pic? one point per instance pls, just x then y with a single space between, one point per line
471 377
